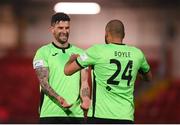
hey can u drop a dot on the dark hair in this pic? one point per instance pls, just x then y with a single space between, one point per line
57 17
116 28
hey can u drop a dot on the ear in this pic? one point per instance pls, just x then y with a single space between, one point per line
51 29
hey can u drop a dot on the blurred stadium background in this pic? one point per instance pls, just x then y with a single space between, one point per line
152 25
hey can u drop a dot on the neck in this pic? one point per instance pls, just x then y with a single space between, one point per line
65 45
117 40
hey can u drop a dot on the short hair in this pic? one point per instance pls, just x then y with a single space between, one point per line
115 28
57 17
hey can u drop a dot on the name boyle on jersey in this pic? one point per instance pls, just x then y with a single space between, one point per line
122 54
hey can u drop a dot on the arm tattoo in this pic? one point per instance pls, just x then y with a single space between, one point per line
85 92
85 89
43 74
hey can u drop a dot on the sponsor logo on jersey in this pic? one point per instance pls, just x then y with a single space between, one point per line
38 63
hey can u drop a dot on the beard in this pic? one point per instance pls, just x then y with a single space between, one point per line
62 37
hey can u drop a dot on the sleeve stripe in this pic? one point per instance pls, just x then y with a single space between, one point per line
79 64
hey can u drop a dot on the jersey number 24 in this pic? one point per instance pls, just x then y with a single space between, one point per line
128 70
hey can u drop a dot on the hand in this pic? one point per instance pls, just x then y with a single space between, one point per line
86 101
63 102
73 57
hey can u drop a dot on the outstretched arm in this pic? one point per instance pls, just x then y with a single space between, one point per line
43 73
70 68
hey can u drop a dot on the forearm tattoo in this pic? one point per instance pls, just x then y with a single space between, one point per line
43 74
85 92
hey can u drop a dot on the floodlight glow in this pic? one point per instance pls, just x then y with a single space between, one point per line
77 8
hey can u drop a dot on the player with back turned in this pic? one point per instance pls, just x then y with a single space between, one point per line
115 67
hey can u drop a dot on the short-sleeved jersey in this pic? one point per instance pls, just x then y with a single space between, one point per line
68 87
115 70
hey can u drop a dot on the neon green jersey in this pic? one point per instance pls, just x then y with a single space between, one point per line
68 87
115 70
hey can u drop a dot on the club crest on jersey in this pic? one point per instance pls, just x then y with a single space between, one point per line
38 63
83 57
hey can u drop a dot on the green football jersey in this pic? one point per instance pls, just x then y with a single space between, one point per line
68 87
115 70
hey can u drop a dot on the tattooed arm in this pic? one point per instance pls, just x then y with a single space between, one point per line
43 74
85 90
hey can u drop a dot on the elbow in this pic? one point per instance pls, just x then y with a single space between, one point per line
148 77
